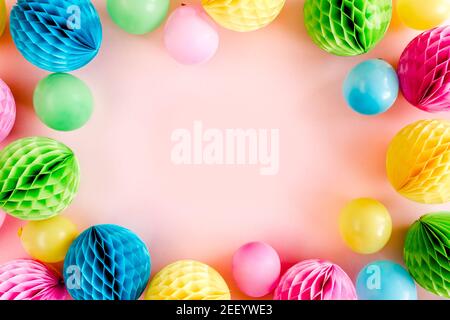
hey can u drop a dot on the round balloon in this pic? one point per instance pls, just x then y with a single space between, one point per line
63 102
256 269
385 280
371 87
423 15
190 36
7 110
365 225
48 240
138 16
347 28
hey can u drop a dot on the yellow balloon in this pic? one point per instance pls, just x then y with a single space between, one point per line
188 280
48 240
365 225
2 16
423 14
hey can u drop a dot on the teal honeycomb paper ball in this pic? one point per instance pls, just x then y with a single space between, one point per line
347 27
39 178
107 262
427 252
56 35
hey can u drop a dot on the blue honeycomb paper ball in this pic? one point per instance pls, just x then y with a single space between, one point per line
107 262
56 35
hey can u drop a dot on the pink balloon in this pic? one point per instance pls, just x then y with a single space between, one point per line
423 70
7 110
256 269
190 35
26 279
315 280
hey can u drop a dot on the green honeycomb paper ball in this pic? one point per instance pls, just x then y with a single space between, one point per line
38 178
347 27
427 252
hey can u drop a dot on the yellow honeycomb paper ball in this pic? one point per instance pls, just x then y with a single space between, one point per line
243 15
188 280
418 161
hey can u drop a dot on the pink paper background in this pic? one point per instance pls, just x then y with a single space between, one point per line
272 78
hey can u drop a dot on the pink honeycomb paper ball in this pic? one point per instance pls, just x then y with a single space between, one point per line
26 279
7 110
315 280
256 269
423 70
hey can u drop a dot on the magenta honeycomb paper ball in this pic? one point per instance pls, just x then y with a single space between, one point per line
423 70
7 110
26 279
315 280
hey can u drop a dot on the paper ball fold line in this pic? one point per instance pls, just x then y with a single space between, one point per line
243 15
427 252
56 35
423 70
187 280
347 28
107 262
25 279
39 178
7 110
315 280
418 161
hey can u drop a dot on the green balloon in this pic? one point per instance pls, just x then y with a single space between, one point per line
63 102
138 16
347 28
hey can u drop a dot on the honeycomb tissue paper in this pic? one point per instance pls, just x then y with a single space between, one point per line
243 15
315 280
347 28
423 70
39 177
56 35
25 279
418 161
7 110
427 252
188 280
107 262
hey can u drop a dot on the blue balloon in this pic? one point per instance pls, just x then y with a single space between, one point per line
107 262
56 35
385 280
371 87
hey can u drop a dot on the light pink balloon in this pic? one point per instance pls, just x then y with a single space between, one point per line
190 35
315 280
7 110
26 279
256 269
